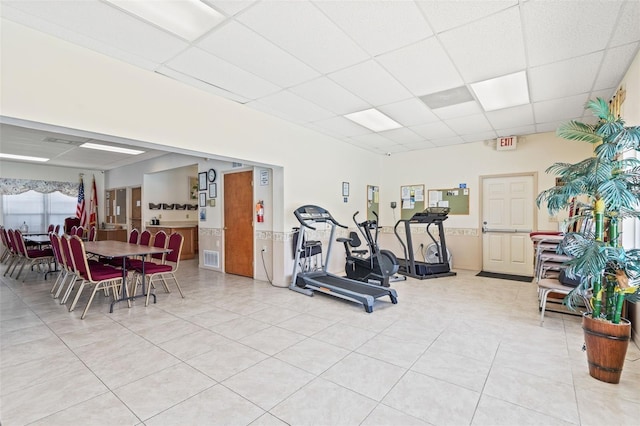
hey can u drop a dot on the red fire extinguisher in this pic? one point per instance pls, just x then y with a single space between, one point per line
260 211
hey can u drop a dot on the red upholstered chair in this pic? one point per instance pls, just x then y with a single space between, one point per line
70 222
133 236
50 228
6 248
67 259
159 240
56 246
57 229
39 257
145 238
102 277
133 239
162 271
79 232
93 234
14 255
73 230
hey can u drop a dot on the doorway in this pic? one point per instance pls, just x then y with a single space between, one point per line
238 223
136 208
508 216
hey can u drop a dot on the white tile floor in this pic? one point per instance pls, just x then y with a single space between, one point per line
461 350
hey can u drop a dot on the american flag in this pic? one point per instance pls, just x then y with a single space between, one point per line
80 211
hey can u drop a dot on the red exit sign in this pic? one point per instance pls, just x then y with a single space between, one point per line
507 143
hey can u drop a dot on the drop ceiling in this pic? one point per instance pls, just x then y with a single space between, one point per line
313 62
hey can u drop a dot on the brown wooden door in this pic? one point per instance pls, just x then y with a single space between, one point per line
136 208
238 223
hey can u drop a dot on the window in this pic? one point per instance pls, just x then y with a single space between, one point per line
37 210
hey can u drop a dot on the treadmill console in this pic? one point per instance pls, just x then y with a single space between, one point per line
431 214
313 213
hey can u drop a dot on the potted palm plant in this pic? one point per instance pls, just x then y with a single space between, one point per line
608 186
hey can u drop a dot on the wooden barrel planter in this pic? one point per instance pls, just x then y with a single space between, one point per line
606 345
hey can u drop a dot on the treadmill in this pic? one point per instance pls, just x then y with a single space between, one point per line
411 267
309 281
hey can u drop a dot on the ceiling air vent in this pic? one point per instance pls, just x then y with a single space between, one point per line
58 140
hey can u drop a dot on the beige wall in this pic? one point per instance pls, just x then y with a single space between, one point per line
631 115
447 167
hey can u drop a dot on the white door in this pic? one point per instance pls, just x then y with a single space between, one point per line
507 215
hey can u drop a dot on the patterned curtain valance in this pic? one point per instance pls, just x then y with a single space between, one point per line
18 186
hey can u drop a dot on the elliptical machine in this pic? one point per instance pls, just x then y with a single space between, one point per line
379 266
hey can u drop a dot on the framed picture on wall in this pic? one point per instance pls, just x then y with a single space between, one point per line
193 188
202 181
203 199
213 190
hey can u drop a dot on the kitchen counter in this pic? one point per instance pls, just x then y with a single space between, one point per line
188 230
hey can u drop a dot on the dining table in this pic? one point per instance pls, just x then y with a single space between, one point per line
118 249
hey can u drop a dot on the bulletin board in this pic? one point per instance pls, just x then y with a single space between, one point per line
457 199
411 200
373 201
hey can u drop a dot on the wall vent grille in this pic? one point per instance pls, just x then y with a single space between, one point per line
212 258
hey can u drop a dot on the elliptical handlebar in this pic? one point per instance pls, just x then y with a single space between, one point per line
311 213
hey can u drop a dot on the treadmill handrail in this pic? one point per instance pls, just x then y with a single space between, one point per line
303 221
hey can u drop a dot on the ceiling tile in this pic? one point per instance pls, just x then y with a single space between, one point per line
410 112
101 27
572 28
564 78
293 106
487 48
478 137
627 28
559 109
616 62
423 67
230 7
402 136
419 145
447 141
378 26
443 15
371 82
433 130
305 32
459 110
469 125
372 140
342 126
200 84
255 54
330 96
516 131
202 65
511 117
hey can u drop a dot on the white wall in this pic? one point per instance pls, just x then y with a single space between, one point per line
88 91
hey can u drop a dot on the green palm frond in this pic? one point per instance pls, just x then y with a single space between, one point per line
616 195
600 108
577 131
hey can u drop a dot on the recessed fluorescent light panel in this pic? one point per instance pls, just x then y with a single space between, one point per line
502 92
188 19
23 157
374 120
111 148
455 96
